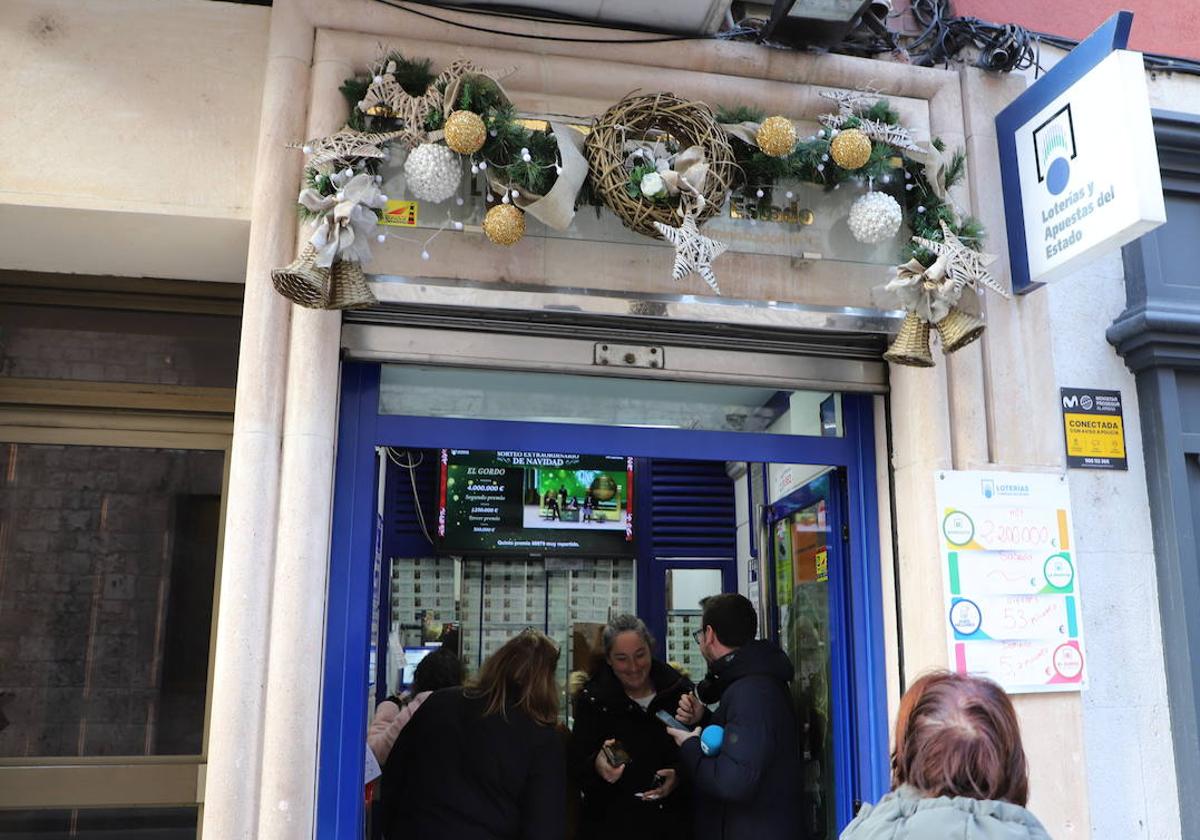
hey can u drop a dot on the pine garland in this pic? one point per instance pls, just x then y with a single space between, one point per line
811 162
507 136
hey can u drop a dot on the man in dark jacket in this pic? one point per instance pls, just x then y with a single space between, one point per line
750 788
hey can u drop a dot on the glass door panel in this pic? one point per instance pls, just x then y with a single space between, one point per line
805 557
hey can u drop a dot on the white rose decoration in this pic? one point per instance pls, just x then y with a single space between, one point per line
652 184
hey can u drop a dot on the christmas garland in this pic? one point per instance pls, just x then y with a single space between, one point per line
462 116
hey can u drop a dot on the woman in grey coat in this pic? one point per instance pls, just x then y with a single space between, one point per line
958 768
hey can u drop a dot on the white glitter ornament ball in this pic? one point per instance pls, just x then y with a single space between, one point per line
432 172
875 217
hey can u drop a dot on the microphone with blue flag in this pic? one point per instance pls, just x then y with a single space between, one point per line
711 739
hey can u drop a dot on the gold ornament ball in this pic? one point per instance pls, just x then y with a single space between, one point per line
465 132
776 136
504 224
850 149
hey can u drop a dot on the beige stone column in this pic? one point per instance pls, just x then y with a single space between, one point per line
240 664
290 745
1023 422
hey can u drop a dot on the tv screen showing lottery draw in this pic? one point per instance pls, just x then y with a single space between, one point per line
535 503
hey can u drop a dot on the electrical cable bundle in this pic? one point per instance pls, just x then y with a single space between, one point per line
1003 47
941 36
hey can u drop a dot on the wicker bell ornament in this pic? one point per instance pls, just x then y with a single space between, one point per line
776 136
348 287
465 132
958 329
303 282
911 346
850 149
504 224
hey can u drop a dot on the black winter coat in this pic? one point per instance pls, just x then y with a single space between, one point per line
749 790
457 775
603 711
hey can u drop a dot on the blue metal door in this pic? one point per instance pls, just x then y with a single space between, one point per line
344 709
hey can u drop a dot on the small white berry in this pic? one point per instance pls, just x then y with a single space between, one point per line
558 170
887 179
491 197
824 157
524 151
378 80
921 208
821 133
483 164
459 201
307 150
820 167
424 255
492 132
458 225
516 194
383 198
908 186
474 169
505 198
381 238
789 194
759 193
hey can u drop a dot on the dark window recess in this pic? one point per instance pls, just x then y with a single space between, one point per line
97 824
107 565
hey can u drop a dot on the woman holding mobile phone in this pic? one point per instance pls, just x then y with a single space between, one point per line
621 756
484 762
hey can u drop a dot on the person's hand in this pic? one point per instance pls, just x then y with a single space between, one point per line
681 735
607 772
690 710
670 781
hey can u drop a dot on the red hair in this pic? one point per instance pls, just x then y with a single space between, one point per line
958 736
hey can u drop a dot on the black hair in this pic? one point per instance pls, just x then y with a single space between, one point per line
732 618
440 669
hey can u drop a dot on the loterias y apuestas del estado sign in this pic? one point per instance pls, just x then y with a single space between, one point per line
1078 162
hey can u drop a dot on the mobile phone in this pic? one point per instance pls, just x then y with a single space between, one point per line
671 722
615 754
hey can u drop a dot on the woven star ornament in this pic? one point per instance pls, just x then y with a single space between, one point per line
345 147
694 252
848 101
965 267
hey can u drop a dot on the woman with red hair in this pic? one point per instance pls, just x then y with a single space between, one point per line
958 767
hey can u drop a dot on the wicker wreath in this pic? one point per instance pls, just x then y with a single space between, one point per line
640 117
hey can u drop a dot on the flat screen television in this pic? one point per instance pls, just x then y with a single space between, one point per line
538 503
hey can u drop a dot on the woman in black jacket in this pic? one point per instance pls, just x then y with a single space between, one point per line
642 798
484 762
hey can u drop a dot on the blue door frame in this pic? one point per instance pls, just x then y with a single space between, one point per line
361 428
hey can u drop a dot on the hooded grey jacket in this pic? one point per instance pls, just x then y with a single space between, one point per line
906 815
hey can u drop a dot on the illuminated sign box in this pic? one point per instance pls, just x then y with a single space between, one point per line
1079 165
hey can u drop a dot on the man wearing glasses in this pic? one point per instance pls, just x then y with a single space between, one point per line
749 788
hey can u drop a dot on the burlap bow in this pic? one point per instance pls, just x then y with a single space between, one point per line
555 209
343 231
687 174
927 292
